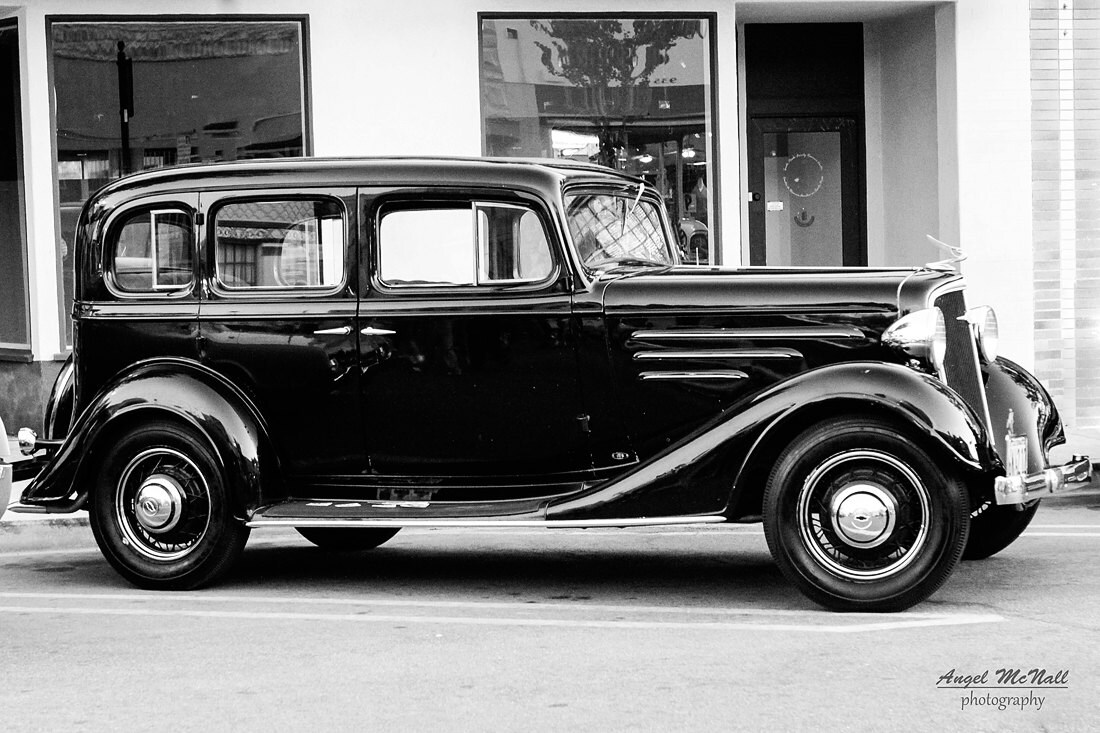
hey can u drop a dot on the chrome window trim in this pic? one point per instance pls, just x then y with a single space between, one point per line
719 374
732 334
673 354
475 288
293 291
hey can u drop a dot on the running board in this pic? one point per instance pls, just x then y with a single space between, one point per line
395 522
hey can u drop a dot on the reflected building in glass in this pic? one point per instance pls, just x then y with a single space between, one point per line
196 92
632 94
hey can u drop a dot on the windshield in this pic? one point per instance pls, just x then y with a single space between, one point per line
610 230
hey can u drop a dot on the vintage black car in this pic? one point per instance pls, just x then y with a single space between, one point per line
349 347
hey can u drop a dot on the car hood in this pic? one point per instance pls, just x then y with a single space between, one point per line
708 290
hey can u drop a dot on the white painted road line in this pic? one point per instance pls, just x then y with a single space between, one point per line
206 597
511 613
1065 526
1095 535
572 623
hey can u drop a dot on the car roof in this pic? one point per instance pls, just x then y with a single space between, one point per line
536 173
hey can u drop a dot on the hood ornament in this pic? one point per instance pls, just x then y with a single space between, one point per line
947 265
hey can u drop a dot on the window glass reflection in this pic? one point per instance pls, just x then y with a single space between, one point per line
133 96
634 95
279 244
152 252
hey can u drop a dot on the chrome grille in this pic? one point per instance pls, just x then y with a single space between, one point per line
964 373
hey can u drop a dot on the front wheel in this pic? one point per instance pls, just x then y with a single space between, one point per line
347 539
159 510
860 518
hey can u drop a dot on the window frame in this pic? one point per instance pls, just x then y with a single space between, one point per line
20 351
109 249
468 203
274 195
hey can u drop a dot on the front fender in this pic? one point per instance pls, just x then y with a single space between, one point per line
695 475
1020 405
176 388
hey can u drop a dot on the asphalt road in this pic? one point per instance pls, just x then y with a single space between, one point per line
484 630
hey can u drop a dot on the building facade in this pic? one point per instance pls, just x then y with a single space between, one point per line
827 132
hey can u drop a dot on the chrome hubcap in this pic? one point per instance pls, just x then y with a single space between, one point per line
158 503
864 515
162 504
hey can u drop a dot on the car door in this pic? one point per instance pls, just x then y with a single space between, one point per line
467 342
148 301
277 318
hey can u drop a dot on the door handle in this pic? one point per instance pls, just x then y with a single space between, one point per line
372 331
341 331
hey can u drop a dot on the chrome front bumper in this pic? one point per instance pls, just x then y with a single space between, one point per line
1020 489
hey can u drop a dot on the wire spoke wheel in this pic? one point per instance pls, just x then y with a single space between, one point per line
160 508
162 504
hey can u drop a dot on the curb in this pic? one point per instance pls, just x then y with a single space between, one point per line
19 525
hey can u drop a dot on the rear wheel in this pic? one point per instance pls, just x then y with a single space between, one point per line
861 519
994 527
347 539
159 511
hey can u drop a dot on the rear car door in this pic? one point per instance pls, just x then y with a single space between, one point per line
278 315
148 300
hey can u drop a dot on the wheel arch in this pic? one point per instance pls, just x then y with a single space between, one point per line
937 421
716 470
176 390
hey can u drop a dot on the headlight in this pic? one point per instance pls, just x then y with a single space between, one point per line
921 335
983 321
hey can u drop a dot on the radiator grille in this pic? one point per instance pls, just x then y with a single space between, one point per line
963 372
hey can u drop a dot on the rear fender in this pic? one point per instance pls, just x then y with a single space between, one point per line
716 469
165 388
59 407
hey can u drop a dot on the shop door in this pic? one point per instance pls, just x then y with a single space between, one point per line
804 192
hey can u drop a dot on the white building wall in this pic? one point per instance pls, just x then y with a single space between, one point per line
403 79
384 78
993 105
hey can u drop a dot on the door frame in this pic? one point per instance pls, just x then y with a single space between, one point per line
853 193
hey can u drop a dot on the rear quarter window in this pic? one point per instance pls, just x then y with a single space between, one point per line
151 251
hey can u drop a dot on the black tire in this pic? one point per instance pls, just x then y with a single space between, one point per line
860 518
347 539
994 527
160 512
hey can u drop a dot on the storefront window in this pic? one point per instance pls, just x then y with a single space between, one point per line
14 334
133 96
635 95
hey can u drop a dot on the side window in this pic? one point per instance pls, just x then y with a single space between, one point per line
151 252
294 243
467 244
